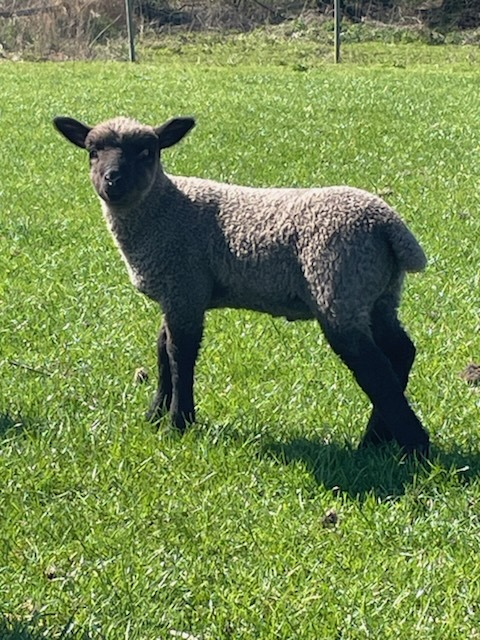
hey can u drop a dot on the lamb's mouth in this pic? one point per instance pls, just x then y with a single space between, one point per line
114 195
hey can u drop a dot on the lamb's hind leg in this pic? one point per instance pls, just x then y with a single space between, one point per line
163 397
395 343
376 376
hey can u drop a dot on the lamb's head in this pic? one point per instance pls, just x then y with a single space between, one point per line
124 154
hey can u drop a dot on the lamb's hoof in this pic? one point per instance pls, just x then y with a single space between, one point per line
372 439
182 421
178 424
162 424
156 413
159 408
419 451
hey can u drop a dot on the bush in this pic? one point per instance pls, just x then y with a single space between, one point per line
42 28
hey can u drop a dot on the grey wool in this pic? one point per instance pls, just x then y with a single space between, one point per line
335 254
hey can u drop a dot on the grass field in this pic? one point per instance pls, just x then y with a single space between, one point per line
113 530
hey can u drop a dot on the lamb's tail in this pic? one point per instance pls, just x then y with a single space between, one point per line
408 252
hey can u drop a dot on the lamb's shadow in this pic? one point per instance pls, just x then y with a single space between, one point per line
12 425
383 472
19 630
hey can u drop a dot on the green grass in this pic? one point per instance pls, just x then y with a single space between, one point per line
302 47
113 530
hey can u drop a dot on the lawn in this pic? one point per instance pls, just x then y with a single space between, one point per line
263 521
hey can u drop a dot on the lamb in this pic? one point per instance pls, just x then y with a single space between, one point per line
335 254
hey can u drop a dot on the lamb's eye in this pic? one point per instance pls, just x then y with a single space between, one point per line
145 154
93 153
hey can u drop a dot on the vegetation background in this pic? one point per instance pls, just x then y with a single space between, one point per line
62 29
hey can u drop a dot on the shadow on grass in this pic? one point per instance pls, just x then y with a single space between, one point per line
17 630
14 426
359 472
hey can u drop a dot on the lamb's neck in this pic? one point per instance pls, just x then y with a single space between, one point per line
129 224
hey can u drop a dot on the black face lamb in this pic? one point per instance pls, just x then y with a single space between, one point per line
334 254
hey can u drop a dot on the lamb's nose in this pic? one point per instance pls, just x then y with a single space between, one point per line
112 176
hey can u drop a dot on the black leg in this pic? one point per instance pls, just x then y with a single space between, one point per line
396 345
182 348
163 397
376 376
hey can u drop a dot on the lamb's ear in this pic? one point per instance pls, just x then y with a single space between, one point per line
173 131
73 130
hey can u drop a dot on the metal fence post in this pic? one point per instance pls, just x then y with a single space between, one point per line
131 36
336 12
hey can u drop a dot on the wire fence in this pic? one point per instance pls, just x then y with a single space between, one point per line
75 28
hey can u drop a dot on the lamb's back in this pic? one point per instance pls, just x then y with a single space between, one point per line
254 221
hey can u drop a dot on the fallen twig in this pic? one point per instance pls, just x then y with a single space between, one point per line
27 367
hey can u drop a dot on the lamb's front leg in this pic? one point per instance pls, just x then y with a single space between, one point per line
182 347
163 397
